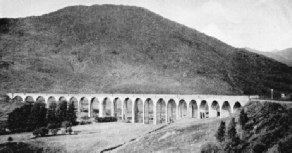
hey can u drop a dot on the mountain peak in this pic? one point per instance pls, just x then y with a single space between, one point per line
283 56
125 49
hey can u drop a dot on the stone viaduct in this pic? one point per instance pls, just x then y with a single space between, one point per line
145 108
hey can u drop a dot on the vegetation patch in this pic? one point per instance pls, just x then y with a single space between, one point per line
21 147
41 120
18 147
262 127
106 119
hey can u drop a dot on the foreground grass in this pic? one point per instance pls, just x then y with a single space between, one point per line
186 135
89 138
22 147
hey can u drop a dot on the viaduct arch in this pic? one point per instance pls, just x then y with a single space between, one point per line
145 108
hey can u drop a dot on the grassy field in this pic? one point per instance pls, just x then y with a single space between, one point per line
89 138
185 135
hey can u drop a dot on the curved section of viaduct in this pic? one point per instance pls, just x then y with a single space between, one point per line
146 108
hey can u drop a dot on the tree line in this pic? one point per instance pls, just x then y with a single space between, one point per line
34 116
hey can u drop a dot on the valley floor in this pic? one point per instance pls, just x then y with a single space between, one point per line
185 135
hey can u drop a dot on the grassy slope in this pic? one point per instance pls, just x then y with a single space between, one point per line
184 136
122 49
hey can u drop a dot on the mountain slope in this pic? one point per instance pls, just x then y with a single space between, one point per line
123 49
283 56
286 54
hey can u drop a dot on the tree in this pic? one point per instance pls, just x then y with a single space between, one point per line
243 119
220 135
71 115
70 130
18 118
232 140
62 111
231 132
42 120
37 117
51 117
136 109
14 119
9 139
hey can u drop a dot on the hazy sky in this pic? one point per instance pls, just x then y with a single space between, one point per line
260 24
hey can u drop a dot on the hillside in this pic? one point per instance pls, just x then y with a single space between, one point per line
261 127
268 127
283 56
123 49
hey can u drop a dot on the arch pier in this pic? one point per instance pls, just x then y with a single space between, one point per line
143 108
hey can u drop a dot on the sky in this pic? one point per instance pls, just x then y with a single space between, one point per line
264 25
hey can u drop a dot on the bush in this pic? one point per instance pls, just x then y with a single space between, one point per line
85 117
54 131
106 119
9 139
211 148
75 123
41 132
36 132
95 111
66 124
69 130
84 122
